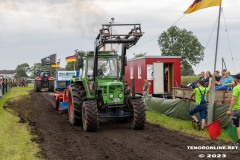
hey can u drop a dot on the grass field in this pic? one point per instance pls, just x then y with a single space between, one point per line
181 126
188 79
15 137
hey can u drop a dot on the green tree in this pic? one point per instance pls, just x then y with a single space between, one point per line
70 66
187 70
22 70
139 55
180 42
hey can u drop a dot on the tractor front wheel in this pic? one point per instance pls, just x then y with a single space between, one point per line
139 115
38 86
74 106
89 116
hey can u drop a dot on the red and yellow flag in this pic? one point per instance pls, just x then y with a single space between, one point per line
71 59
200 4
56 65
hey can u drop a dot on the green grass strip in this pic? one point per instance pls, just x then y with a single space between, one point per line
15 137
181 126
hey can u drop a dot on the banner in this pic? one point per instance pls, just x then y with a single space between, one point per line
150 72
66 75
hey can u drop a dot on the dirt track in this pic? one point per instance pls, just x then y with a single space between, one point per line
60 140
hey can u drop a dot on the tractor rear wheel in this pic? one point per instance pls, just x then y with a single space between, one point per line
51 86
38 86
74 106
89 116
139 115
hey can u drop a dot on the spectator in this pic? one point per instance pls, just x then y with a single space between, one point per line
222 78
208 78
146 87
202 77
1 83
217 78
200 94
234 108
227 83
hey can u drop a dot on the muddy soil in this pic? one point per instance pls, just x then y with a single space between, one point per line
59 140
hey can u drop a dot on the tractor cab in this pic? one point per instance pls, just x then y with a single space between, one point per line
45 74
109 86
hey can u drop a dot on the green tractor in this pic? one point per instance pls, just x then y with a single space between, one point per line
100 90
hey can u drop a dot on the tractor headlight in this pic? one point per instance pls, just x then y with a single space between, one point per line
120 95
111 96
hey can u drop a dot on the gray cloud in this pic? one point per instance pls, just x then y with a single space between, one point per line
83 16
33 29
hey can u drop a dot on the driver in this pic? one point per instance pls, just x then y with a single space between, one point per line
101 69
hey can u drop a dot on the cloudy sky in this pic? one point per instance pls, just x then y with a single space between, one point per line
31 30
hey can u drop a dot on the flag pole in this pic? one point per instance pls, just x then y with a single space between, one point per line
212 91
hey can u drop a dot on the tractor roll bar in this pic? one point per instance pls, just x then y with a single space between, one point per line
106 36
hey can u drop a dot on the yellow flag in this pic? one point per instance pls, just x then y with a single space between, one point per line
200 4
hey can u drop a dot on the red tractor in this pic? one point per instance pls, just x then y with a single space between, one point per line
44 80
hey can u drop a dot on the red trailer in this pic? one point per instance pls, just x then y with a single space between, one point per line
163 72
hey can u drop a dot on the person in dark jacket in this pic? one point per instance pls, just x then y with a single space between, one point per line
217 77
202 77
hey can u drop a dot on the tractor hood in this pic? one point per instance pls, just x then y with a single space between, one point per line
112 92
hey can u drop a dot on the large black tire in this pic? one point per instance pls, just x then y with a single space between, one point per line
89 116
38 86
51 86
139 115
74 106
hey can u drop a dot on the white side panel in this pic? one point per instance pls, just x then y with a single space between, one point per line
158 78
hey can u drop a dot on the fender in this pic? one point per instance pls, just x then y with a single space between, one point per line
50 78
38 79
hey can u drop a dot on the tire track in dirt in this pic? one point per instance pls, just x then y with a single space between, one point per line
59 140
